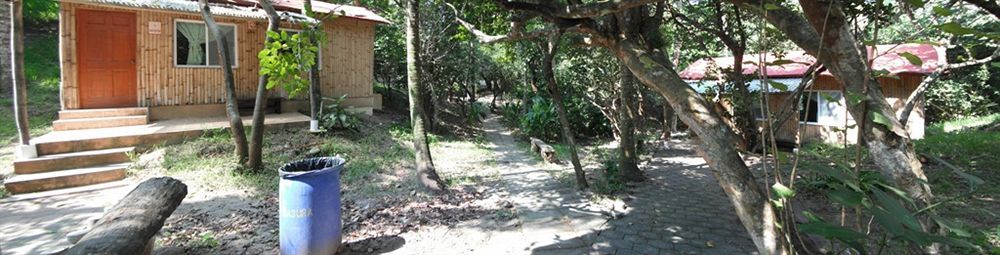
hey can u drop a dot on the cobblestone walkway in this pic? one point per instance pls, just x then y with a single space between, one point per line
680 209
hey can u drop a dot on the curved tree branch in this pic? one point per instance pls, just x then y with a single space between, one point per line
990 6
918 93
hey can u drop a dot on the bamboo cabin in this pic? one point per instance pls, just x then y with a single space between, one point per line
157 54
822 111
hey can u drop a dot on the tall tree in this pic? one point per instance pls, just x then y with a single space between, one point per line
727 24
628 168
315 91
426 173
17 73
548 57
232 109
6 83
823 30
639 46
260 101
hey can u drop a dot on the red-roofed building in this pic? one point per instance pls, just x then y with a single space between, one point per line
823 107
158 54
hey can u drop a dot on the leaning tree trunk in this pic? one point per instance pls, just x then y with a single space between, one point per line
628 168
567 132
129 226
887 141
426 173
260 100
235 122
17 74
718 144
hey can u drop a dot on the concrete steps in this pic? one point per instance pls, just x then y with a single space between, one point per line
98 113
56 162
44 181
100 118
72 159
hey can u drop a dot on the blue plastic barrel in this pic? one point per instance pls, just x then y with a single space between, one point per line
309 206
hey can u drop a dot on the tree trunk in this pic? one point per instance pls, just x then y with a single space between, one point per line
669 120
743 103
6 79
17 74
315 87
260 101
718 144
426 173
128 227
235 123
628 169
567 133
888 143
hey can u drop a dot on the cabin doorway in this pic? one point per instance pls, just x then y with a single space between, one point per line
106 53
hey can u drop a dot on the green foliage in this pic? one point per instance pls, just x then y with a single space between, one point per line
403 131
285 59
610 184
963 93
41 71
37 12
207 239
337 116
892 208
476 112
965 143
541 120
511 113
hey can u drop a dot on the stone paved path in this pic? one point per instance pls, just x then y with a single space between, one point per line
679 210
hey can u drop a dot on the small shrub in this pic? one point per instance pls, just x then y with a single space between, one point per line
541 120
476 112
336 116
403 131
610 184
511 113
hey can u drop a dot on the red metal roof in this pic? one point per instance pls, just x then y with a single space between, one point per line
351 11
794 63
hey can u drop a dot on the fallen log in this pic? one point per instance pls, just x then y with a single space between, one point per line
129 226
535 144
548 153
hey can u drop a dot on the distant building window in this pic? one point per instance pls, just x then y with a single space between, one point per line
194 46
822 107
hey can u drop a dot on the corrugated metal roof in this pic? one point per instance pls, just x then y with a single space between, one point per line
702 86
289 9
888 59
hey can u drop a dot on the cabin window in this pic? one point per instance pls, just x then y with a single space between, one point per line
822 107
319 51
194 46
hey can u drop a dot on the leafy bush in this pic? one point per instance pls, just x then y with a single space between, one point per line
477 112
610 184
336 116
892 209
403 131
511 113
541 120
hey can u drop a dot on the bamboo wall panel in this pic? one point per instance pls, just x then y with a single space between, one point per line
347 55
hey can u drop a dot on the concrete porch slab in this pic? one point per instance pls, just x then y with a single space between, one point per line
149 134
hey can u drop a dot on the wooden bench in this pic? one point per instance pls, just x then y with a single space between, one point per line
547 152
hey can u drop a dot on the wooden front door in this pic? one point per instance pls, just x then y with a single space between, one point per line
105 47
